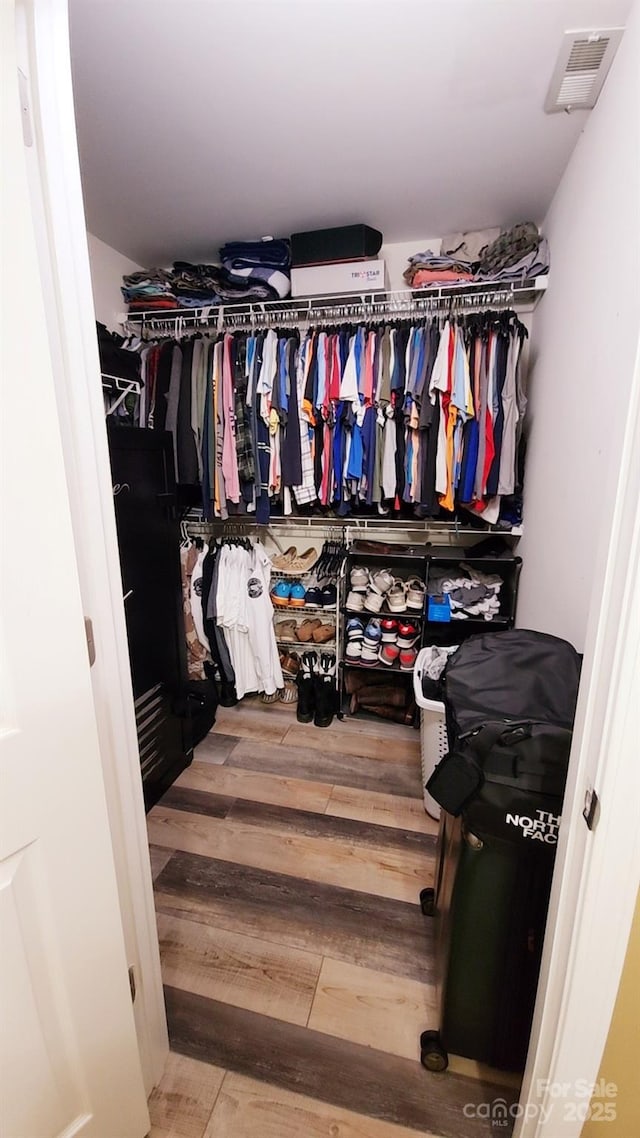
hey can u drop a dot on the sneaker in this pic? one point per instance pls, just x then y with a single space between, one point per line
329 596
408 633
355 601
281 593
381 581
415 594
408 658
314 596
373 601
353 650
306 699
369 656
389 654
297 595
389 631
359 577
373 633
397 597
355 629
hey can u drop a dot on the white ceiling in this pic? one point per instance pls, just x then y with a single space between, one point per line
200 121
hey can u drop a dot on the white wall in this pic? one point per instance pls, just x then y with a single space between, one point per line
107 270
396 256
585 340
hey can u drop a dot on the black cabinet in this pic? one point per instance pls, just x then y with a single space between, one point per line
148 538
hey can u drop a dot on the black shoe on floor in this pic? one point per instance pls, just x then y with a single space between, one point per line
228 694
306 687
325 690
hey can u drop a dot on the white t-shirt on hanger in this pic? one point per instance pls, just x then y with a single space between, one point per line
259 614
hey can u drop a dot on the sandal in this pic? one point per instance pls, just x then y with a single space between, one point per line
305 631
289 693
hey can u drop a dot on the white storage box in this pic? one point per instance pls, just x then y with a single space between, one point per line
339 279
433 735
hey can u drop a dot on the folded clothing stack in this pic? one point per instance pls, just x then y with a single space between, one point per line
250 270
473 595
260 268
518 253
426 268
149 288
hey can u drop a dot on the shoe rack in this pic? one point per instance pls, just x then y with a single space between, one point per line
424 563
403 563
328 614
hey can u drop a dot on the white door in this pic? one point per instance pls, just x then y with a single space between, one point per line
70 1063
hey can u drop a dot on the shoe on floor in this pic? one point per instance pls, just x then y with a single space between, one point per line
305 681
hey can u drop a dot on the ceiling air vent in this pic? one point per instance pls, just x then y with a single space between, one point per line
582 66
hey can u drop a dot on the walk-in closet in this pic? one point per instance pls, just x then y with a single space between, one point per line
365 321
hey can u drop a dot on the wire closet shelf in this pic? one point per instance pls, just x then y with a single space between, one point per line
153 324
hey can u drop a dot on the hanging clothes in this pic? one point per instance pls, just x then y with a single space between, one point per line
420 417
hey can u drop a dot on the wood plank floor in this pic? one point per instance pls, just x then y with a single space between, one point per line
298 967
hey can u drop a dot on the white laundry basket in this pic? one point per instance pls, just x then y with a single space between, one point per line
433 733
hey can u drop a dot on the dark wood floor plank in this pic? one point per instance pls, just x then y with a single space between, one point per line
197 801
376 932
215 747
309 1062
393 777
283 819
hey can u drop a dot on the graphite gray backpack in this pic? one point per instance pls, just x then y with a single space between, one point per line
510 700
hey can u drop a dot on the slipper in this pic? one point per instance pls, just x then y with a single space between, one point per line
305 631
304 562
284 559
286 630
324 633
273 697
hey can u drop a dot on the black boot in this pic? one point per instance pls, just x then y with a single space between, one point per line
325 690
306 691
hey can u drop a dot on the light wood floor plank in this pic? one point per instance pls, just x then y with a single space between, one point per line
373 1008
387 873
381 809
253 721
400 776
353 743
275 789
180 1106
159 858
241 970
247 1108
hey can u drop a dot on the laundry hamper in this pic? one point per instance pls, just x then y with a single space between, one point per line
433 733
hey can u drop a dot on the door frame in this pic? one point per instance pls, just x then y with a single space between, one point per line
597 873
58 210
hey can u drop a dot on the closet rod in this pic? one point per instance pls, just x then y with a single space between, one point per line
361 306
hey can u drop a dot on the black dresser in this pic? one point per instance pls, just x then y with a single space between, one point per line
148 536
